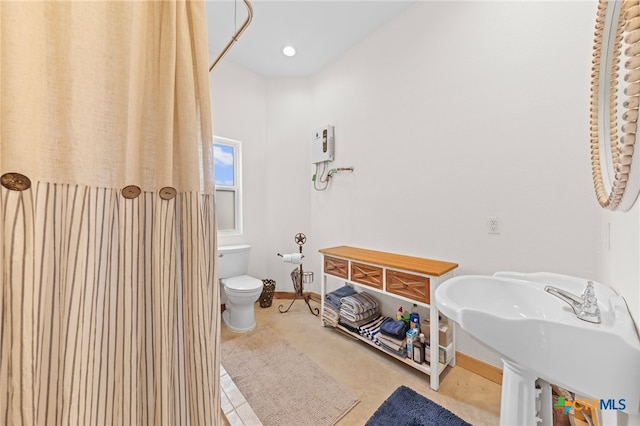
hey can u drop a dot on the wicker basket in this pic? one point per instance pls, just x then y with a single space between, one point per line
266 297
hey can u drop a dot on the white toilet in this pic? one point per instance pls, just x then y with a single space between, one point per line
241 290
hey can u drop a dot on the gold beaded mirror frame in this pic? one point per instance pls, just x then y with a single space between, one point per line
614 104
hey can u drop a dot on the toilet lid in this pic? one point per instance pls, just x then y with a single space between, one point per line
242 283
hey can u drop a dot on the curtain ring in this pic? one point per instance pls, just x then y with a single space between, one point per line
131 191
15 181
168 193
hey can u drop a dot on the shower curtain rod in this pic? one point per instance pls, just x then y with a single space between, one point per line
237 35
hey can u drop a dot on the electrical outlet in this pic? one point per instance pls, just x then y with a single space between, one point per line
493 225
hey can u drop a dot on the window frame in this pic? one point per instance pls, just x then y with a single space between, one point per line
236 187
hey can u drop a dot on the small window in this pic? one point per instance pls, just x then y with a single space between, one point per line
227 170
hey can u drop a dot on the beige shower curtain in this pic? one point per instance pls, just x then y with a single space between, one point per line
108 306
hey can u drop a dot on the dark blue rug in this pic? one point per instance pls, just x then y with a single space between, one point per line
405 407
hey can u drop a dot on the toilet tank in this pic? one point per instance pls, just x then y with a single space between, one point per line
233 260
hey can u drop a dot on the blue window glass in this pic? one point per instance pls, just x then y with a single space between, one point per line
223 156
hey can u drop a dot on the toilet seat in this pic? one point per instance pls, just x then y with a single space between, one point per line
242 284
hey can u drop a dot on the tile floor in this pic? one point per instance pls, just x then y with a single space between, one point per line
367 372
236 409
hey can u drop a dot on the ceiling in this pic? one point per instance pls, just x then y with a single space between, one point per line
319 30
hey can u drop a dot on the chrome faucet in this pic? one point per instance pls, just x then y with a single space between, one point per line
585 307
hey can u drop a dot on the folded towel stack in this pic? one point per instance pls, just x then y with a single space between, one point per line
360 313
396 329
331 312
358 309
330 316
397 346
355 325
333 298
358 303
392 336
372 328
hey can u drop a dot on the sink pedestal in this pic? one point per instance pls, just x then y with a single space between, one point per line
518 401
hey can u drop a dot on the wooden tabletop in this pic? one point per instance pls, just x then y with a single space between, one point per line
420 265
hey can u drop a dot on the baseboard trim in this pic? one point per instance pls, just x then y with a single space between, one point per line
481 368
314 297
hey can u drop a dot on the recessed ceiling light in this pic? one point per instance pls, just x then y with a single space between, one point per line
289 51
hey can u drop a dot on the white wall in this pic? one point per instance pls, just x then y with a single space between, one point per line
459 111
451 113
238 103
620 255
620 267
288 135
271 119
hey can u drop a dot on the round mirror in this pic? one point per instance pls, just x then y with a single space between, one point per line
615 97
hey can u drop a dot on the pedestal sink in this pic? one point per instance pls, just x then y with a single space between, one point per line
538 336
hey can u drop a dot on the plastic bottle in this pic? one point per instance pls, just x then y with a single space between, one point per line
415 317
399 315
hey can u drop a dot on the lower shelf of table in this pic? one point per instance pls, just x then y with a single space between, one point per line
425 368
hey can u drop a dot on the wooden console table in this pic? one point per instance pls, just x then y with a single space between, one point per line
408 278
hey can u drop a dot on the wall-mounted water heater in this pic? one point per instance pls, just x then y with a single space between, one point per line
322 144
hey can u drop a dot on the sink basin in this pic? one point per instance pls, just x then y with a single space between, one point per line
540 335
